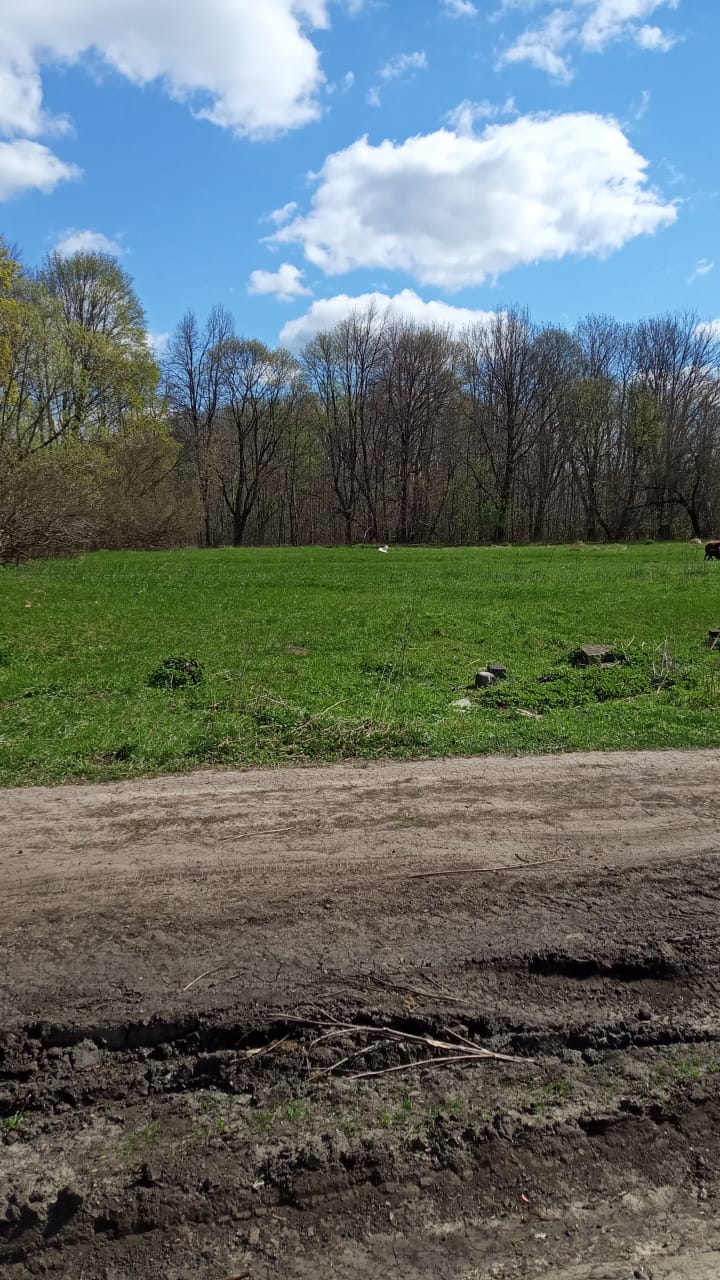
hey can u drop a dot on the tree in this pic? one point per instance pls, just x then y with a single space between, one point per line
260 393
419 385
108 372
343 368
194 382
503 382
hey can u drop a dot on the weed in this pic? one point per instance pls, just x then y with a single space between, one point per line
12 1123
297 1111
688 1069
557 1090
263 1120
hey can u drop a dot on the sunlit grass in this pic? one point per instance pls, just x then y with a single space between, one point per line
314 653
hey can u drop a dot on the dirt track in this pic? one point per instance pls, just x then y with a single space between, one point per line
160 938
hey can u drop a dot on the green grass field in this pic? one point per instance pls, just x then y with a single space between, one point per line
318 654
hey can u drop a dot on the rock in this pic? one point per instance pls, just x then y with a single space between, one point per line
595 654
463 703
497 670
484 679
85 1055
254 1236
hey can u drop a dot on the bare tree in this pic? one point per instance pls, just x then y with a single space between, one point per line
194 381
260 392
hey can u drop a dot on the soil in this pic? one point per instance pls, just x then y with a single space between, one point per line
186 963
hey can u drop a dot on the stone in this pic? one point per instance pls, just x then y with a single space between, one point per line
595 654
497 670
254 1236
484 679
85 1055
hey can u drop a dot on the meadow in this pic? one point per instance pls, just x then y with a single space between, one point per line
311 654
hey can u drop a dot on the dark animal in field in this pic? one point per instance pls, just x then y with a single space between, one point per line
712 550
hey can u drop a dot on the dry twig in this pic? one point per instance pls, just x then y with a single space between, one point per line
206 974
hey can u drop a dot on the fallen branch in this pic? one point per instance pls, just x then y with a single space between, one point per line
435 1062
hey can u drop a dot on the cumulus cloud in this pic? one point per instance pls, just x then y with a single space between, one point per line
649 37
76 241
285 283
327 312
27 165
247 66
456 210
590 25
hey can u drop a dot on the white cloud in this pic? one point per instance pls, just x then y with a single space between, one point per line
459 8
26 166
611 19
403 64
455 211
373 98
463 118
649 37
702 268
640 108
281 216
285 283
542 46
75 241
244 65
327 312
589 25
710 329
158 343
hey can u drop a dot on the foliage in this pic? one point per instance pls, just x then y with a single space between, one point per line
315 654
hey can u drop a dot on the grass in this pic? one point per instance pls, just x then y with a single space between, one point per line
319 654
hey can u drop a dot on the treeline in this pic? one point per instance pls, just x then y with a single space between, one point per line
380 430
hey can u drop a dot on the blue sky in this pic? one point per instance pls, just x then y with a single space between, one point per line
559 154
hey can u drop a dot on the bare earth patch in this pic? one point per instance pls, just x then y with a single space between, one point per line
186 961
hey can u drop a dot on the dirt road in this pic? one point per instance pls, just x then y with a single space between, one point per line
186 961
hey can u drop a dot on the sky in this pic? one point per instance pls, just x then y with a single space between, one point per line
289 159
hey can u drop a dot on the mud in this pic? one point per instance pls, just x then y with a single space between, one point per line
194 971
